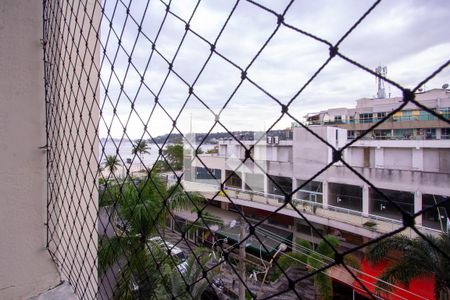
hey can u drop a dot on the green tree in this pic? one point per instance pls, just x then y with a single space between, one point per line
413 258
317 259
140 148
174 155
140 209
214 150
175 281
160 166
112 163
289 259
321 256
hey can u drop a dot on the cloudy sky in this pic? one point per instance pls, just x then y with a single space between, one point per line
410 37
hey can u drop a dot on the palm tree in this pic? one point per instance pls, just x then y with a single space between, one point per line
140 148
417 258
141 209
321 256
112 163
176 279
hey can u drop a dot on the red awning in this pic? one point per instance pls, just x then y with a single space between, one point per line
419 288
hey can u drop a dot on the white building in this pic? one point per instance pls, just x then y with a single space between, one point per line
410 123
413 173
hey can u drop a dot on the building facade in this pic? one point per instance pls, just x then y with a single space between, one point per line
412 172
410 123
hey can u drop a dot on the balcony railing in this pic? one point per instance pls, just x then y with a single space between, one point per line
425 117
371 222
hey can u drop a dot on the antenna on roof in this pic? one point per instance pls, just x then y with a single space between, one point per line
381 71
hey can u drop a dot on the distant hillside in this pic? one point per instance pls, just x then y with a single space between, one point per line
213 138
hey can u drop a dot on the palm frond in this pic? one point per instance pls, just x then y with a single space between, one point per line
400 272
416 258
324 247
110 251
324 285
379 251
112 163
180 199
352 261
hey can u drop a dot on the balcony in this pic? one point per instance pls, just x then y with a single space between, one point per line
369 225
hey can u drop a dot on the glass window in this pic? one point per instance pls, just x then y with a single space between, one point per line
380 115
202 173
366 118
430 133
383 134
350 134
445 133
406 115
425 116
403 134
445 111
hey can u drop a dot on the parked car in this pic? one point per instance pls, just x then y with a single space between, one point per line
178 254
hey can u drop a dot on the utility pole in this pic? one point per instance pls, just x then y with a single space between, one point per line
242 258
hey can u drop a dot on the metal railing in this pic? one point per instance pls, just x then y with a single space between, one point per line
312 208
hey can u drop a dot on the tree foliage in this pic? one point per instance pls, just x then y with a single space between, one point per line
112 163
174 282
174 156
140 148
322 256
141 208
413 258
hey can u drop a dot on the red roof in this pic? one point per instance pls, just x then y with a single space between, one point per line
418 289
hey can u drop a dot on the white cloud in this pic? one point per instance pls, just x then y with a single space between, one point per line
409 36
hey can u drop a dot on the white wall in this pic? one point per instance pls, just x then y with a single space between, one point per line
444 160
284 153
398 159
431 160
26 268
356 156
74 162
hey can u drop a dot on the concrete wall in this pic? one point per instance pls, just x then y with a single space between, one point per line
398 159
308 151
26 268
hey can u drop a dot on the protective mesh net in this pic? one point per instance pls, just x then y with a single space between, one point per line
107 229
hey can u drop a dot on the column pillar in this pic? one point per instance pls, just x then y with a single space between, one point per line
418 206
266 187
379 158
294 186
243 178
438 133
365 200
325 194
417 159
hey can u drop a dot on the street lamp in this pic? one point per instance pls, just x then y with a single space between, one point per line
281 247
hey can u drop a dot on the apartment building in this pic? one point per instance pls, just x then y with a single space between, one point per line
410 123
413 173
